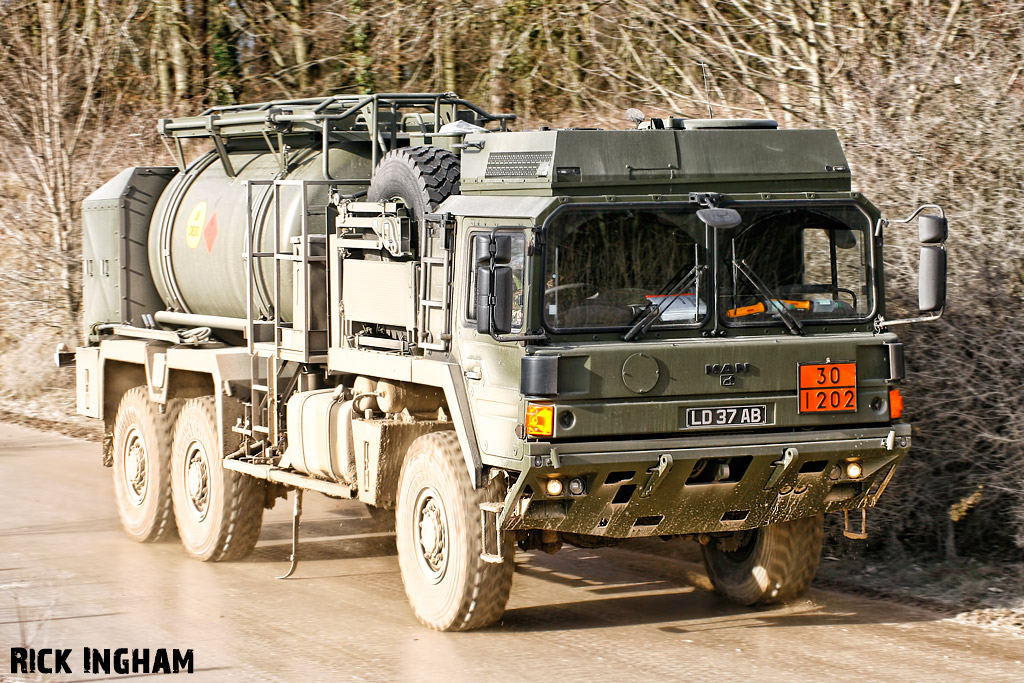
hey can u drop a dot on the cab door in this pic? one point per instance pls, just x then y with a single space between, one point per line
491 369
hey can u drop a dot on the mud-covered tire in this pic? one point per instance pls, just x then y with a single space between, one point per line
449 585
422 177
141 456
219 512
772 564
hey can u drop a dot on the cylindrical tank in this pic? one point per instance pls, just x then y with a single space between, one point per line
199 232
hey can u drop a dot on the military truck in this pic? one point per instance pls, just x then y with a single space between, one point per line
677 329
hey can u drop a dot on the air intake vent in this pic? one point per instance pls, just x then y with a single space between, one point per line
518 164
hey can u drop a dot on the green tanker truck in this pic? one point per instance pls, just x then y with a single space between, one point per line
530 338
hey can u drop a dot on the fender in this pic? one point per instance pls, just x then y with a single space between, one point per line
116 365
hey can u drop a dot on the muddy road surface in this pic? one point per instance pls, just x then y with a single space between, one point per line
69 578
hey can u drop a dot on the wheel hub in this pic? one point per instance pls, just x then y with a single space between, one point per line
135 467
431 531
197 482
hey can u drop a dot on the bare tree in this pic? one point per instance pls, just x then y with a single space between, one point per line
58 95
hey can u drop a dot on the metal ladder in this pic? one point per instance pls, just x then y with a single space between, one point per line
435 262
279 348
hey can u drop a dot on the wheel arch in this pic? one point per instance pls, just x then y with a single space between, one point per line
119 377
186 373
446 376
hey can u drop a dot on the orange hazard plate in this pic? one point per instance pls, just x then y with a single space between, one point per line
828 387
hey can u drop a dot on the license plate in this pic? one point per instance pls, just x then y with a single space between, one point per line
828 387
727 416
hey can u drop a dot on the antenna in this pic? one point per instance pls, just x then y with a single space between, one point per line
707 91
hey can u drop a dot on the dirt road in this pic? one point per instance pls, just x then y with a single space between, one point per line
70 579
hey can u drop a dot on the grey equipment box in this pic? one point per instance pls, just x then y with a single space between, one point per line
117 286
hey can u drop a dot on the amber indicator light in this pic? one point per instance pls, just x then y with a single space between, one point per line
895 403
828 387
540 420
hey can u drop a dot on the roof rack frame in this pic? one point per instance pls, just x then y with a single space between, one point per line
316 114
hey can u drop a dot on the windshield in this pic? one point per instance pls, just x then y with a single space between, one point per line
795 265
617 268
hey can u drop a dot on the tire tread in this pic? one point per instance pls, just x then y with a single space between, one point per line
242 520
161 426
430 173
789 554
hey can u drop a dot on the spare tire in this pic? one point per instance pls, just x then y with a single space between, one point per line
422 177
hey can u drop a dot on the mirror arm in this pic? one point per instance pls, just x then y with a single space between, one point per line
517 337
881 323
887 221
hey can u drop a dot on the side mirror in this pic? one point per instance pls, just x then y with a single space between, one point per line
931 294
498 246
494 298
932 229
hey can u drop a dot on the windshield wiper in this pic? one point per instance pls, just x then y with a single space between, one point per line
772 300
651 312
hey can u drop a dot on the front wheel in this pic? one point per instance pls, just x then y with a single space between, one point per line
439 538
768 565
219 512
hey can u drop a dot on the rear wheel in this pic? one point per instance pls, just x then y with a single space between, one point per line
142 467
437 525
219 512
766 566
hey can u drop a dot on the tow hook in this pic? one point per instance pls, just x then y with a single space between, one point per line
780 466
293 559
658 475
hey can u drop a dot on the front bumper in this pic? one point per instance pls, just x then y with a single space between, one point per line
715 483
